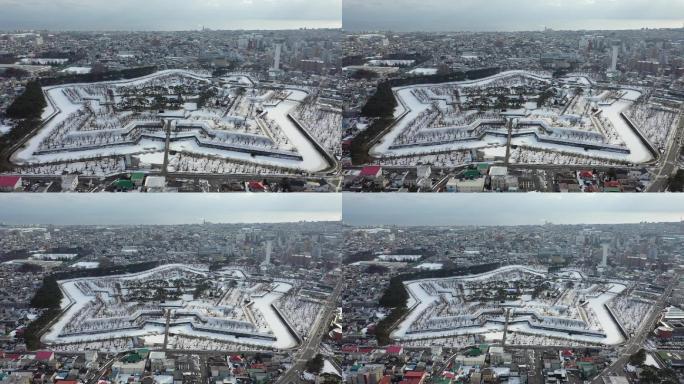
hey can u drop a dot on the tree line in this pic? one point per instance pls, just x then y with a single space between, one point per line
30 104
94 77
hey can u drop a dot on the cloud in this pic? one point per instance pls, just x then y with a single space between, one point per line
491 15
169 14
167 208
509 209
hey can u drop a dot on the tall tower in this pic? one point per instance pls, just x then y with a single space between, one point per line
604 260
613 62
269 249
276 57
266 264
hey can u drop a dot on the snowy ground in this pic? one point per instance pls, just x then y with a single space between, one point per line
86 264
265 306
430 122
4 127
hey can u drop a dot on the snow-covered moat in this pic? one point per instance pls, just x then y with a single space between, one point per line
254 128
226 306
530 300
445 123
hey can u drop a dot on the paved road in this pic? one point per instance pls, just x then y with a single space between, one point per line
509 123
167 143
310 347
668 162
505 332
166 329
94 378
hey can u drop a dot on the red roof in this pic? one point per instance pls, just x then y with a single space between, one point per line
586 174
394 349
413 374
255 185
612 183
567 352
349 348
385 380
413 380
9 181
44 355
66 382
371 170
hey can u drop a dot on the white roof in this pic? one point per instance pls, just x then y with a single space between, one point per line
472 183
157 355
155 181
498 171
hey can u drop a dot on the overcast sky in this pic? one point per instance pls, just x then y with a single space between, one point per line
169 14
510 209
509 15
167 208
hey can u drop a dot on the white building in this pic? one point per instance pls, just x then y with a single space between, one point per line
69 183
466 186
614 58
155 183
604 259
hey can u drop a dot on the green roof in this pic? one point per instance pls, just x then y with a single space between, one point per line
483 166
124 184
137 176
132 358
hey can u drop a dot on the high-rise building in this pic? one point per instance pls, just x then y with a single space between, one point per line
604 260
276 56
614 58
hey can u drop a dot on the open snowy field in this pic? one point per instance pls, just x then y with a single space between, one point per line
199 307
530 303
580 120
